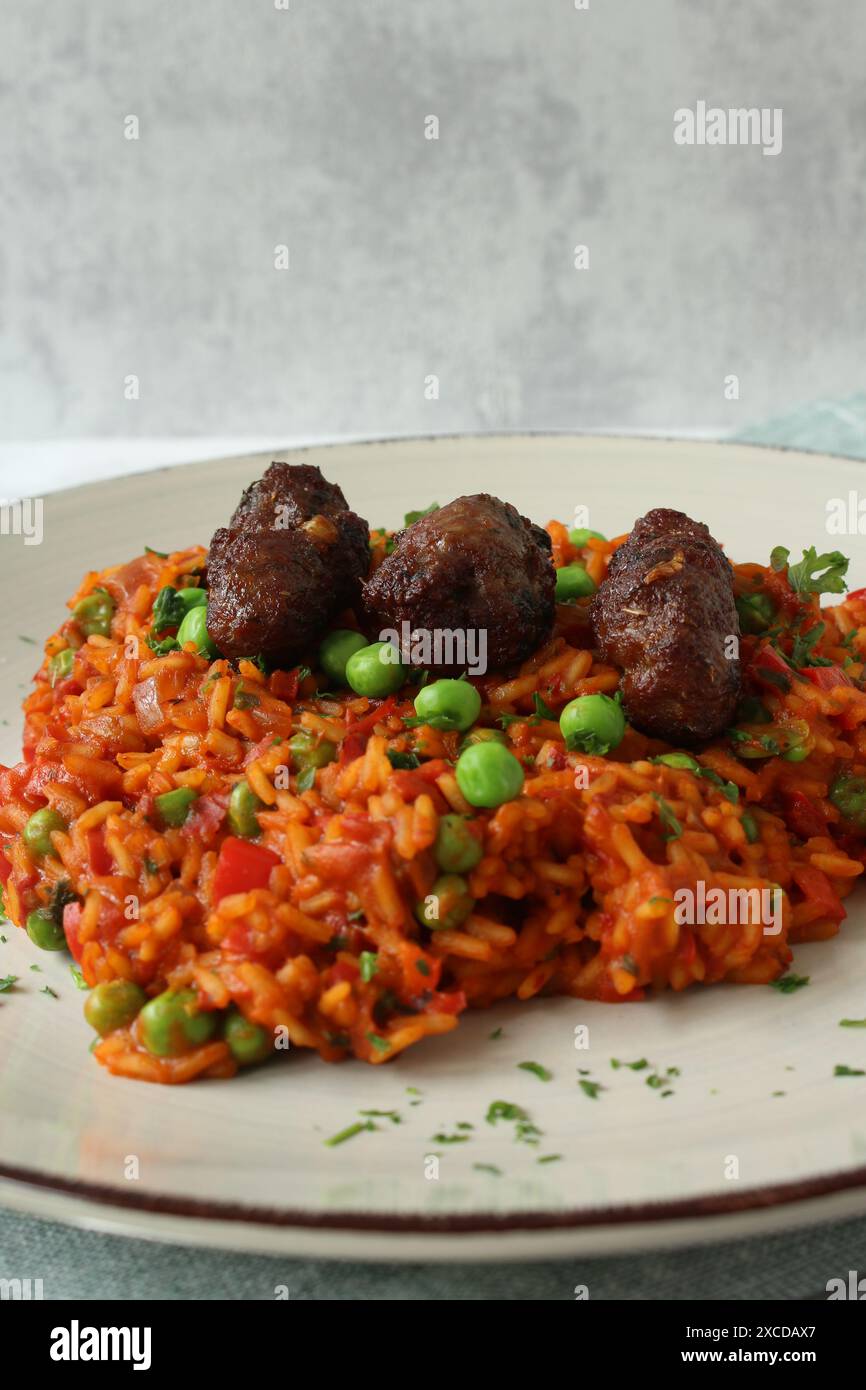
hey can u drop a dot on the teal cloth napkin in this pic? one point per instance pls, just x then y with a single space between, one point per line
84 1264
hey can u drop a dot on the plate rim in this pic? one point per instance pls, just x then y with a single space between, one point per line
321 446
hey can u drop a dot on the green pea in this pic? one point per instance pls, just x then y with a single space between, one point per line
113 1004
335 651
173 807
448 904
243 805
60 665
375 670
456 849
678 760
479 735
592 723
248 1043
170 1025
191 597
573 582
848 795
44 932
797 753
94 613
488 774
448 705
39 829
306 752
194 629
579 536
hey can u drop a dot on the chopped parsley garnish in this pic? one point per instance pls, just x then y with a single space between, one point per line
169 609
369 964
7 983
852 1022
802 653
392 1115
488 1168
349 1133
80 982
402 761
422 967
450 1139
150 866
160 554
537 1070
841 1070
789 983
640 1065
819 574
411 517
46 989
244 699
779 558
542 709
672 827
495 1035
31 640
525 1132
549 1158
590 1088
375 1040
162 648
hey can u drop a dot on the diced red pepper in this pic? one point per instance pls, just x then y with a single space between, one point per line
826 677
803 816
241 867
452 1002
71 922
767 663
817 888
5 870
101 862
368 722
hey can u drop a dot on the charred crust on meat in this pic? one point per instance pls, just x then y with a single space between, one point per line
664 616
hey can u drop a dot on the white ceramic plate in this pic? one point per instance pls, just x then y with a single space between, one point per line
243 1164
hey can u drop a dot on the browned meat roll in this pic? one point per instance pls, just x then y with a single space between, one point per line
476 564
291 558
662 616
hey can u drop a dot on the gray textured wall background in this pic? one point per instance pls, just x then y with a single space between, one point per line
409 257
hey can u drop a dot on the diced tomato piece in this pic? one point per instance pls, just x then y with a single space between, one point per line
826 677
241 867
5 869
343 970
340 861
101 862
284 684
856 594
803 816
71 922
420 969
452 1002
817 888
351 748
